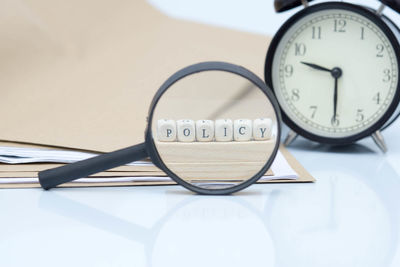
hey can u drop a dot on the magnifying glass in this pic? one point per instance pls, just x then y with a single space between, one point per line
213 127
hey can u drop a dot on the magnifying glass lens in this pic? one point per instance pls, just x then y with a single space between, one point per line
214 130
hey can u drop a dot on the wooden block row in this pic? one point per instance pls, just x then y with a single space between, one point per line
223 130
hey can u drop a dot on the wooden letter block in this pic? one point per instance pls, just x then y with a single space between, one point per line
242 130
223 130
166 130
186 130
262 129
204 130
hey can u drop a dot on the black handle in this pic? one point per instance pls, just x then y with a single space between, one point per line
394 4
53 177
283 5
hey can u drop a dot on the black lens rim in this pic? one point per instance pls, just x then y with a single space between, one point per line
201 67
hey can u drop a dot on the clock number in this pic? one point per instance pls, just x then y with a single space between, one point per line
295 95
362 33
288 71
316 32
359 115
335 121
340 25
379 48
313 111
387 77
377 98
300 49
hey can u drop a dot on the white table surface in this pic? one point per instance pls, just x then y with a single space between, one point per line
349 217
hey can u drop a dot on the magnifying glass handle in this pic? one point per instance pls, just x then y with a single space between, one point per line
67 173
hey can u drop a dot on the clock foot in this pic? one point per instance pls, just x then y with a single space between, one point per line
380 9
380 141
290 138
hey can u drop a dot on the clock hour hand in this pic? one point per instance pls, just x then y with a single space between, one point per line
315 66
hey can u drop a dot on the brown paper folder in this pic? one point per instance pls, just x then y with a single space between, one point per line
81 74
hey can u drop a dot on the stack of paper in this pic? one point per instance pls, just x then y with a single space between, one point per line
136 172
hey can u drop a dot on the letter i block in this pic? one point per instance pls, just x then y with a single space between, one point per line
186 130
242 130
223 130
204 130
166 130
262 129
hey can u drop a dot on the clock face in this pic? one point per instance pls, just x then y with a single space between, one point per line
334 72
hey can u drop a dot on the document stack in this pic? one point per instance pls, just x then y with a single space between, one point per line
21 163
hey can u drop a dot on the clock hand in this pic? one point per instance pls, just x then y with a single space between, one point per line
315 66
336 74
335 101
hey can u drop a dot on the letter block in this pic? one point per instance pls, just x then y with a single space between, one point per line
242 130
204 130
166 130
186 130
262 129
223 130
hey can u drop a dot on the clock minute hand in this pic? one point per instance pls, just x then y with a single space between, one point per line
336 74
335 101
315 66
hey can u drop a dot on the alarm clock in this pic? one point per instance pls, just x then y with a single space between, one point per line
334 69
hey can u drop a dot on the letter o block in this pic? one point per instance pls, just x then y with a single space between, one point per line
186 130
